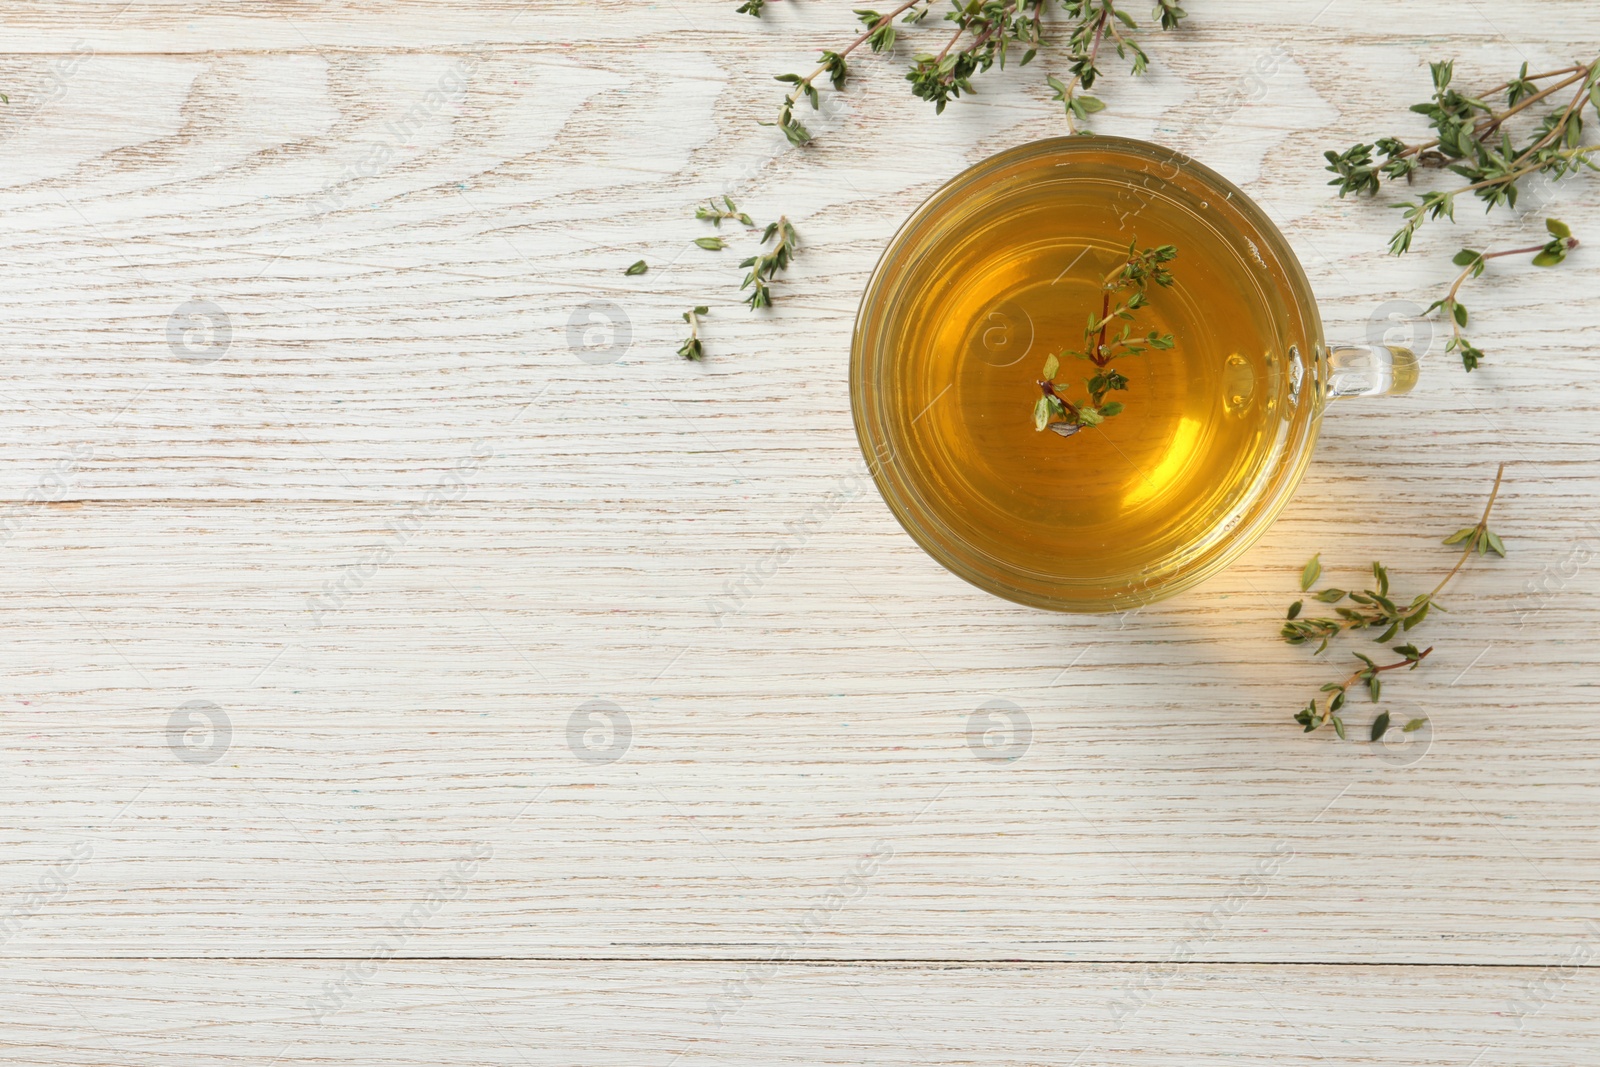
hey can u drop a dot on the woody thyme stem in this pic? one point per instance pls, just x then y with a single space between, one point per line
1482 522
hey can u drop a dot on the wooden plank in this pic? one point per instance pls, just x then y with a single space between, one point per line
389 713
402 1012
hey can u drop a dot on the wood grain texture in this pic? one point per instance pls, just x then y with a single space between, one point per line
329 411
430 1013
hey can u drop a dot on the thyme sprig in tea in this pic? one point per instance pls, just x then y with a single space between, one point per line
1472 141
1472 263
1374 607
1104 343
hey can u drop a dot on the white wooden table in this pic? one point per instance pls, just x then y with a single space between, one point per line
308 609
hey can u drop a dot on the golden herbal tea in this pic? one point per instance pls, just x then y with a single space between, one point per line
980 289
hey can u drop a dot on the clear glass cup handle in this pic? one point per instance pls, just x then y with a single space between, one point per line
1370 370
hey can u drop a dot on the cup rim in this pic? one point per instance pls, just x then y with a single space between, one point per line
876 443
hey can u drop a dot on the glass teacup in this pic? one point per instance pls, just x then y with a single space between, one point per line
1003 266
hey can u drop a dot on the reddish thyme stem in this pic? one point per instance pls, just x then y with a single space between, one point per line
794 97
1491 123
1348 682
1556 131
1049 389
1098 355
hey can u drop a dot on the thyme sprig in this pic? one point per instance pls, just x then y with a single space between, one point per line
711 212
1102 345
1312 717
692 349
984 34
879 36
1472 263
985 30
1471 140
764 266
1376 607
1092 22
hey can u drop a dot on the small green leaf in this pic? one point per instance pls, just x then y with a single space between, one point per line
1294 609
1380 726
1463 257
1459 311
1338 726
1089 103
1460 535
1041 413
1413 726
1331 596
710 244
1558 228
1113 408
1548 258
1051 365
1495 544
638 268
1311 572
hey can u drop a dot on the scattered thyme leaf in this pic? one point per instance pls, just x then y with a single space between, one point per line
710 244
638 268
